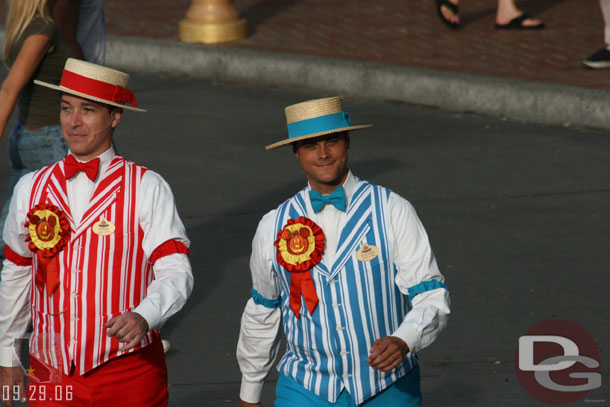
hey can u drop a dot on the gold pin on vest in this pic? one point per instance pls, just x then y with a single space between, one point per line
367 252
103 228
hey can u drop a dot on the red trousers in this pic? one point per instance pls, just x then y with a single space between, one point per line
136 379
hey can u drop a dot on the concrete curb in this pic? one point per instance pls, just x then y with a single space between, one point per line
531 101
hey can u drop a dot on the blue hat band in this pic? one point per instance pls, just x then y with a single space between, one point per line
319 124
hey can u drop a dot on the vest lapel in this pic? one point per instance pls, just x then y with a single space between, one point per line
105 194
357 225
57 193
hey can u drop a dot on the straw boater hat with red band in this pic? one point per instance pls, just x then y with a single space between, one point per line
95 82
316 118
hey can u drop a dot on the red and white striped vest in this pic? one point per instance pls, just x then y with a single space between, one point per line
100 276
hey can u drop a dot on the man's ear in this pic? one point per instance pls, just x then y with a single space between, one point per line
117 114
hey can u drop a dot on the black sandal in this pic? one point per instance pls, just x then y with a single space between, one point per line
517 24
452 7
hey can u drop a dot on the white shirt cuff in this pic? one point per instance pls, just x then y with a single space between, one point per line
250 392
410 335
150 313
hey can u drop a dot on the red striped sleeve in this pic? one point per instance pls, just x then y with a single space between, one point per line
16 258
167 248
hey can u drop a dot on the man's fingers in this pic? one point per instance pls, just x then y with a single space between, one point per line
127 328
111 322
128 337
382 359
127 333
119 327
124 334
379 347
386 354
129 346
376 349
114 325
389 363
135 340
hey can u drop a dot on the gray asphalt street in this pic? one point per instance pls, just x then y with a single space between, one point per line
517 215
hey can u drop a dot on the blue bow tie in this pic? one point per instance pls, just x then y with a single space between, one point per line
319 201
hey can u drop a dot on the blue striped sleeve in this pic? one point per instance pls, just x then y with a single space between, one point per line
423 287
265 302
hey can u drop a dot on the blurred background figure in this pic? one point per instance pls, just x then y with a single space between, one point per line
81 23
508 16
601 59
33 49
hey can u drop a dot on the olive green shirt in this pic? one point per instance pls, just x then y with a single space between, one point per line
38 105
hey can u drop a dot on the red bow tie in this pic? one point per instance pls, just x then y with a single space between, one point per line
73 167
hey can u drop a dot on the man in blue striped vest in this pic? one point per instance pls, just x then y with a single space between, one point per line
347 267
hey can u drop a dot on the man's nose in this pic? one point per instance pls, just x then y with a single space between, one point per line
323 150
76 119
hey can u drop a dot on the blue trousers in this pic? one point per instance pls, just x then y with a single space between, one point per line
30 150
404 393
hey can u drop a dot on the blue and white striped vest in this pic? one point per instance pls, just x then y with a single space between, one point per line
359 303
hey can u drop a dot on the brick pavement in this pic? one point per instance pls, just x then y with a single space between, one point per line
401 32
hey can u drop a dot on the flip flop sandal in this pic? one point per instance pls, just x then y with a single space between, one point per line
517 24
452 7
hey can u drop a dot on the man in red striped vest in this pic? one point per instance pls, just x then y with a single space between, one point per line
96 260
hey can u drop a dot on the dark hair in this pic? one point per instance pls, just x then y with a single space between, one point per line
342 134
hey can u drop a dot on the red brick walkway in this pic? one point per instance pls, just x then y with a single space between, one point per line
402 32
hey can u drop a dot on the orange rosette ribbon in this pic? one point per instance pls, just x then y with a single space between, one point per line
300 246
49 232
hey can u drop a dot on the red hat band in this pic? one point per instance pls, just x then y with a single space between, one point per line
98 89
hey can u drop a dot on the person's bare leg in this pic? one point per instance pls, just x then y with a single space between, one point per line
507 10
448 14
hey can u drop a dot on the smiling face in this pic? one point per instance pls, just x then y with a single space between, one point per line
87 126
324 160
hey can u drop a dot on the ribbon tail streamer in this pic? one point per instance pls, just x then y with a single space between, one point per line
302 283
47 274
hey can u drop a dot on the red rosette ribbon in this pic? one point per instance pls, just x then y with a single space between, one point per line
300 246
49 232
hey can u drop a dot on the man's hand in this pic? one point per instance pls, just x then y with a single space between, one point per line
9 378
129 328
246 404
387 353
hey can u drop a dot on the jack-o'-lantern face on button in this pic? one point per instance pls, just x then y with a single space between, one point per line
45 229
297 243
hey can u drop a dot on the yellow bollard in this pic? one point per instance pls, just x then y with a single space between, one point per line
212 22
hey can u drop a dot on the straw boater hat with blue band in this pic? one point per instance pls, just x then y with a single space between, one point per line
95 82
316 118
